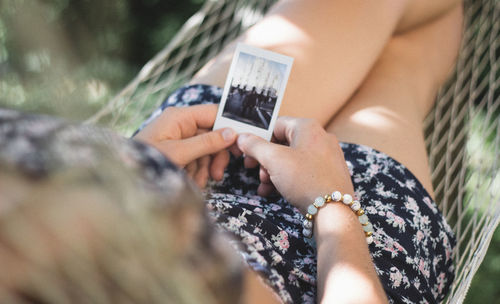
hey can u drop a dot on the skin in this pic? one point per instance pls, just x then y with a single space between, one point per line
343 259
394 99
402 51
184 136
334 45
399 92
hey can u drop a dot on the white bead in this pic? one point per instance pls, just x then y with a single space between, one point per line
312 210
307 224
368 227
369 239
355 206
336 196
347 199
319 201
363 219
307 232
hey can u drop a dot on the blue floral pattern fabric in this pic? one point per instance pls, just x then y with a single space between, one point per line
412 242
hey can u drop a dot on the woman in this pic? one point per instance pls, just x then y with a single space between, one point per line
403 51
375 69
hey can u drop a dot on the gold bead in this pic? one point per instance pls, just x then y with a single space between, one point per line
328 198
368 233
309 217
360 212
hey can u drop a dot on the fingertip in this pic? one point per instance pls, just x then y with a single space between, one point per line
217 177
264 176
245 142
219 163
265 189
217 173
250 162
201 178
242 138
228 135
235 150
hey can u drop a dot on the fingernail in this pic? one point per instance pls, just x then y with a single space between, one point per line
228 134
242 138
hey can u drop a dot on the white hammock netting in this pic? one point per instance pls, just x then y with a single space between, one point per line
462 131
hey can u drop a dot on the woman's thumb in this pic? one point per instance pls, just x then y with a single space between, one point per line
214 141
200 145
257 148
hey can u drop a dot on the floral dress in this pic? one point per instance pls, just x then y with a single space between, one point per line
412 244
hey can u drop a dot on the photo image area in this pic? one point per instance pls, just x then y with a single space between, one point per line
253 91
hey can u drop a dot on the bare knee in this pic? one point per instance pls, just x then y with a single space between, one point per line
428 53
420 12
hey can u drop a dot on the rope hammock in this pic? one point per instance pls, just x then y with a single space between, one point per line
462 131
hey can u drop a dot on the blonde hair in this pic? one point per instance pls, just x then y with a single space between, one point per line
104 234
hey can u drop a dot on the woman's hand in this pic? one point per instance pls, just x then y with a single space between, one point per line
310 164
184 135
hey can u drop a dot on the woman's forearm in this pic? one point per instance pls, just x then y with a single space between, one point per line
313 164
346 273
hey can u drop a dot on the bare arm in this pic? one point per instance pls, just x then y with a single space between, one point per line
311 165
346 273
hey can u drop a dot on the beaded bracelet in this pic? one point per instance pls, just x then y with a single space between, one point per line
336 196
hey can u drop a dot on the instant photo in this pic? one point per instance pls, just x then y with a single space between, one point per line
253 91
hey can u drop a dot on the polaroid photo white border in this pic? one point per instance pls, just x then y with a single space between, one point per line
240 126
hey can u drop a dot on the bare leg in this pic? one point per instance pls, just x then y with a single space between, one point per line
387 111
334 42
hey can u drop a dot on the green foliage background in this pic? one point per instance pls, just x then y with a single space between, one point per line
68 58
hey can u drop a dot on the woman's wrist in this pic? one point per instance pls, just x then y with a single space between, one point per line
343 257
348 215
336 221
311 193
